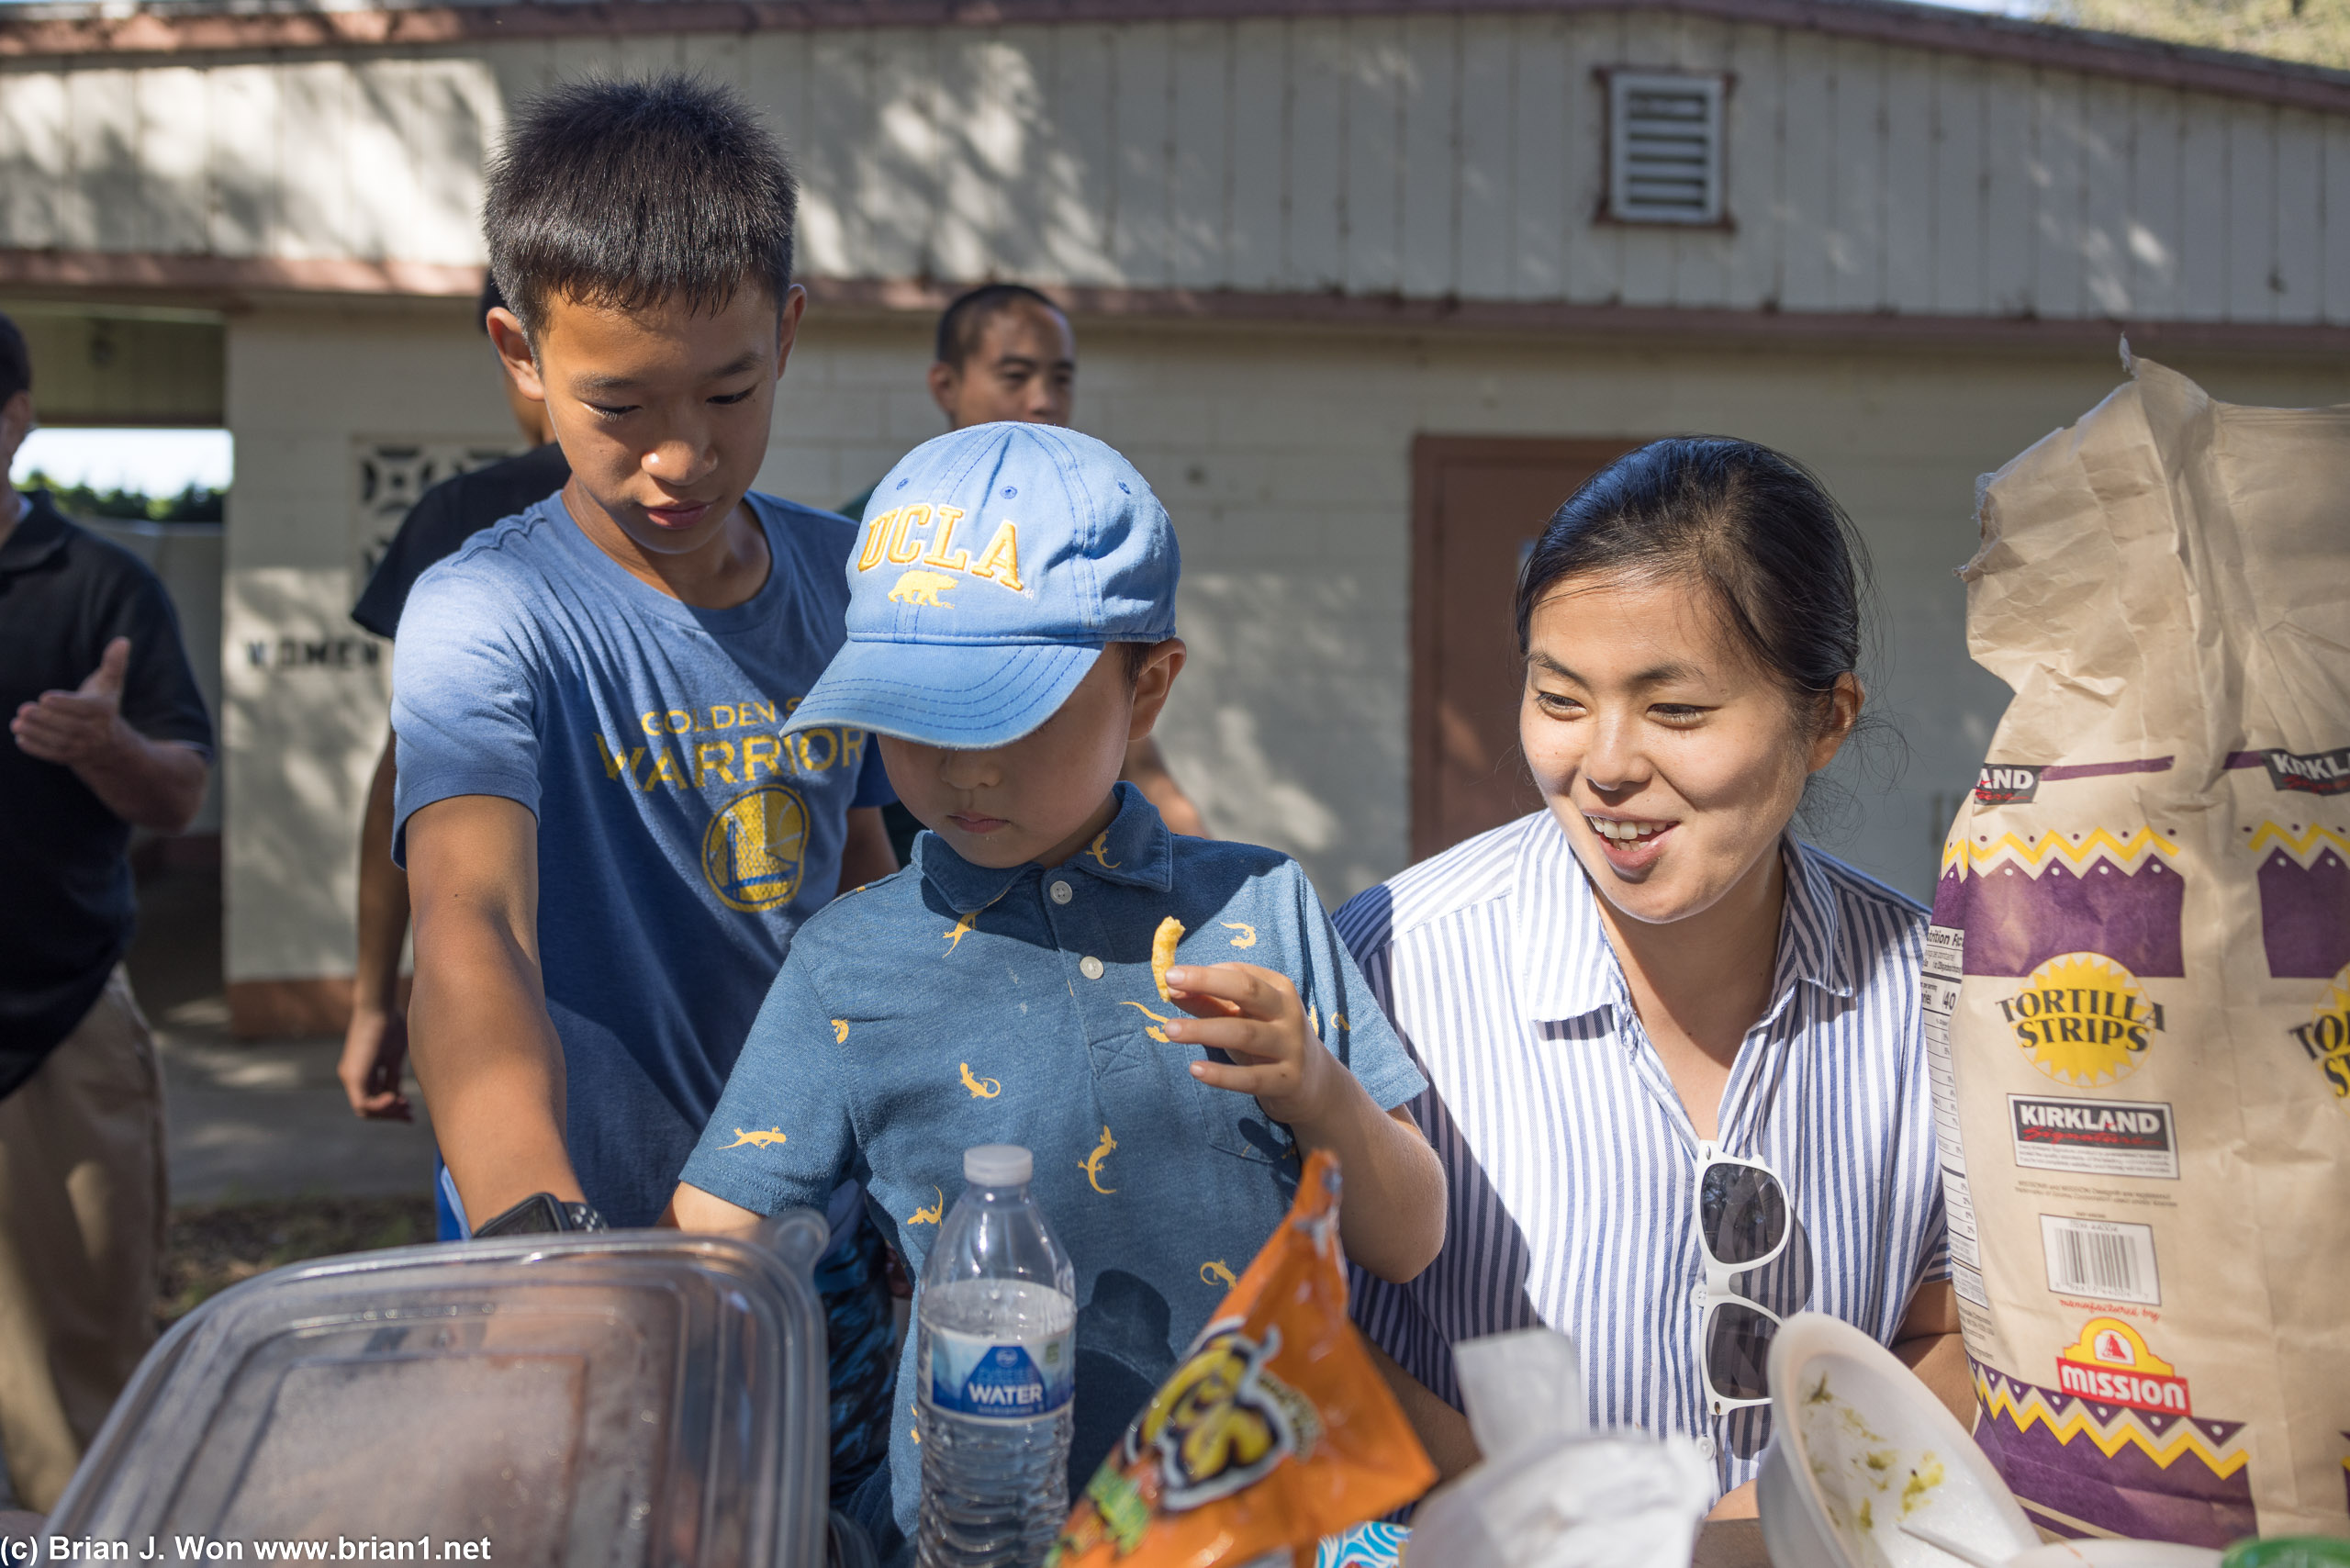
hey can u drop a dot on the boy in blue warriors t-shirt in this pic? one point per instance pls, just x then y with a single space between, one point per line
610 840
1001 990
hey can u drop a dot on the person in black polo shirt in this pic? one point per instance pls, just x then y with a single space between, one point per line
374 1046
107 732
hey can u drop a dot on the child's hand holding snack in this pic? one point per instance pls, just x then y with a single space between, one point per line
1253 1015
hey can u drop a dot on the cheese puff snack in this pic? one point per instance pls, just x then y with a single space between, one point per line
1274 1431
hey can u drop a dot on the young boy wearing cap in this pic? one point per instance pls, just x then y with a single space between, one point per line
1001 990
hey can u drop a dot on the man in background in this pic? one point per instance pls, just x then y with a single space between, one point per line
107 731
374 1046
1006 352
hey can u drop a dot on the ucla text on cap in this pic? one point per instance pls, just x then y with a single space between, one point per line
994 564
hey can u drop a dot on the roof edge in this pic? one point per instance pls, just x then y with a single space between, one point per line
233 284
65 29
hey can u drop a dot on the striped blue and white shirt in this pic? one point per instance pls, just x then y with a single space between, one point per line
1572 1163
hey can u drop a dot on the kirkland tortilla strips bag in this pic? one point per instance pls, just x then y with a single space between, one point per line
2138 975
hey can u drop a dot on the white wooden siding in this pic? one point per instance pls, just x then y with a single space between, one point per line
1426 156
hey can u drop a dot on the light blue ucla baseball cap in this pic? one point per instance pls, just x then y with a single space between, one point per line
994 564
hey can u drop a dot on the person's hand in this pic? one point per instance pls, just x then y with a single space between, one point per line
1253 1015
375 1051
83 727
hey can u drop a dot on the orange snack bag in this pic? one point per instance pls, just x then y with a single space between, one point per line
1275 1430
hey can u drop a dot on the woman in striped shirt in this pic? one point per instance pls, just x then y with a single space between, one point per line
1651 1011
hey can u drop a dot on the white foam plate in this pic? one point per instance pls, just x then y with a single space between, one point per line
1859 1445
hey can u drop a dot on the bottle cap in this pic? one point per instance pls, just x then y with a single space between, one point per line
998 1165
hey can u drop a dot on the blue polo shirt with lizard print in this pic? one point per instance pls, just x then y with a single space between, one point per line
952 1004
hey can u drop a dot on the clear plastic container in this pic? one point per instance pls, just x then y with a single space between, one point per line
620 1400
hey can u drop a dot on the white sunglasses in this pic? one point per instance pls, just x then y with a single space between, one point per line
1742 1225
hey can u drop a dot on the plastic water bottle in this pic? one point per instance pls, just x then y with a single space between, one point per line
994 1366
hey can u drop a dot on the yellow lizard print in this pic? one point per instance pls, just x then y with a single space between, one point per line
1091 1163
960 929
1338 1020
1248 937
1312 1019
980 1088
966 925
931 1215
1215 1272
840 1031
1153 1030
766 1139
1099 849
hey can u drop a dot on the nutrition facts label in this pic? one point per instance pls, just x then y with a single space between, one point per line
1945 952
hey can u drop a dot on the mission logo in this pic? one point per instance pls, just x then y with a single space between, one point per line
2111 1365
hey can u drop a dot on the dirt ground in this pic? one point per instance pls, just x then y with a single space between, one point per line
267 1164
250 1120
210 1248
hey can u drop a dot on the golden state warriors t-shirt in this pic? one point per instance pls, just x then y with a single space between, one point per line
682 838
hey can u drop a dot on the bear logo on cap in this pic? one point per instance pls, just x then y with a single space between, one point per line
922 587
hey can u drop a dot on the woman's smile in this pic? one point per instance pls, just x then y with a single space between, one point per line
1632 845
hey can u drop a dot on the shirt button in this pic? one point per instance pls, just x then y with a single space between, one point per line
1089 967
1061 893
1705 1446
1697 1292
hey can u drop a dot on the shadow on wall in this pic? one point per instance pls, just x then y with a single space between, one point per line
406 138
1011 161
1295 732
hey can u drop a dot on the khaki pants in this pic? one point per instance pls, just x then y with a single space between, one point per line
83 1200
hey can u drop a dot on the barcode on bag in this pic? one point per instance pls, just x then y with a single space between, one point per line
2098 1258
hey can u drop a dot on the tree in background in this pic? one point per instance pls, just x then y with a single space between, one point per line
196 503
2315 32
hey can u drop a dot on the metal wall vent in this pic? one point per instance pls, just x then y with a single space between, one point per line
1664 148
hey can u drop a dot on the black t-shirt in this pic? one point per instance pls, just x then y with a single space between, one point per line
446 516
899 823
66 911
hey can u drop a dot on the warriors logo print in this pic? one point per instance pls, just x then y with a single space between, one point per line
2083 1019
755 848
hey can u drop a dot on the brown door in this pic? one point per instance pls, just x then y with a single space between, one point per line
1478 505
